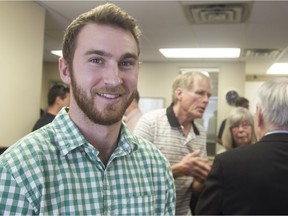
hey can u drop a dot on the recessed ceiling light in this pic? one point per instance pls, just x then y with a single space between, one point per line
201 52
57 52
278 68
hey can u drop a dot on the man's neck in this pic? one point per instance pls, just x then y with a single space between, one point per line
182 117
53 110
103 137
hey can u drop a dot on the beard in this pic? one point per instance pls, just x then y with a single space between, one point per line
111 114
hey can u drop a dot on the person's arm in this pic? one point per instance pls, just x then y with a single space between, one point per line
220 133
210 200
170 204
144 129
219 140
12 198
197 186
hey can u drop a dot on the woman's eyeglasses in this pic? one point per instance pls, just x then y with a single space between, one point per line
243 125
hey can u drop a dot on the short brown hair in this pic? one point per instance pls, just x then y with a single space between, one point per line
57 91
107 14
242 102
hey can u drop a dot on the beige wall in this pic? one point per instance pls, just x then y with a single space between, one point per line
22 36
50 73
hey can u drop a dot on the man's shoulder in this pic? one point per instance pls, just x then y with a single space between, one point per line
150 120
143 144
199 126
148 149
241 154
155 113
26 149
43 120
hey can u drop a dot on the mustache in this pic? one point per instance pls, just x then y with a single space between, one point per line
110 90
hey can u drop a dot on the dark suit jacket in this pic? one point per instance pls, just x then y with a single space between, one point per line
249 180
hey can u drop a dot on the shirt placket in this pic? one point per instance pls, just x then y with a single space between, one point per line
108 190
107 194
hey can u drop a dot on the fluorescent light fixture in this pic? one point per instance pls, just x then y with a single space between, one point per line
201 52
205 71
209 70
57 52
278 68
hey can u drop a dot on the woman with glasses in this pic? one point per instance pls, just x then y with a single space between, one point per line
239 129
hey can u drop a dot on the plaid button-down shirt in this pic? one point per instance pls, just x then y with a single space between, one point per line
54 171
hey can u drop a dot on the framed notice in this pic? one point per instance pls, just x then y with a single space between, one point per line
147 104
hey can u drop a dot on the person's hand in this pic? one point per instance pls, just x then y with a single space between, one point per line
192 165
197 186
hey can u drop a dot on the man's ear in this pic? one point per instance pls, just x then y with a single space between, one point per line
58 100
259 123
64 71
259 118
178 93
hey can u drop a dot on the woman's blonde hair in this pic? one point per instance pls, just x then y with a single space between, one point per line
237 115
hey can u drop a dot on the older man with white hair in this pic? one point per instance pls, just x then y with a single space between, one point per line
253 179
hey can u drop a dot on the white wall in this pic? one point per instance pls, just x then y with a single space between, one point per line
22 36
251 89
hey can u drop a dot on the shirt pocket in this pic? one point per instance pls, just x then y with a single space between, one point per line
138 204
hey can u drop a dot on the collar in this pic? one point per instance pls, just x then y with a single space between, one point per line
173 121
69 137
276 131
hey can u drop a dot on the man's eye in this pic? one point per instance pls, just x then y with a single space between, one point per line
200 93
203 93
97 60
127 63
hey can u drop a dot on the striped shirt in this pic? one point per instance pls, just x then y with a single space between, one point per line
162 128
55 171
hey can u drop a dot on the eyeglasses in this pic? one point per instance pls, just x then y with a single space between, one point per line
244 125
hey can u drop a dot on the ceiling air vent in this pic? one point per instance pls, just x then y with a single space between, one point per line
267 53
224 13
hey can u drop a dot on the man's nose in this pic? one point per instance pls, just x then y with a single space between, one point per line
206 98
113 76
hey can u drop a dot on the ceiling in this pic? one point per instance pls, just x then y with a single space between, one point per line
165 24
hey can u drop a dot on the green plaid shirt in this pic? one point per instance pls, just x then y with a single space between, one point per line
54 171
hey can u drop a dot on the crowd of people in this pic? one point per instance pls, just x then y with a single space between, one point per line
94 153
251 180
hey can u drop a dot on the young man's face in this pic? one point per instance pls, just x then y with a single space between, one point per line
105 72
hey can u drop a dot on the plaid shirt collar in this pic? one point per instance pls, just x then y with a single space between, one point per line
68 137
